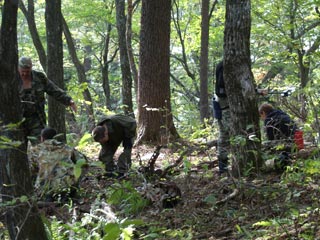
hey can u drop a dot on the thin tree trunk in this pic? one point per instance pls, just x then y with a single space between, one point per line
204 104
124 59
133 67
105 68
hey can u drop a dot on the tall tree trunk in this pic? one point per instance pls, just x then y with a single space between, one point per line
81 72
240 88
304 65
155 122
133 67
22 219
124 59
29 15
56 111
204 104
105 68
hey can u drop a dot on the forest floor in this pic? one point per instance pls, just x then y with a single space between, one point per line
271 206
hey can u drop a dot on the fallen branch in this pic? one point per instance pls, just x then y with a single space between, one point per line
229 197
42 204
178 161
153 159
149 169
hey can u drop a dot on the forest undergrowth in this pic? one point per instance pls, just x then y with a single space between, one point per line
183 197
148 205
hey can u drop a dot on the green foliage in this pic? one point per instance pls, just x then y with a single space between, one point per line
239 140
124 229
77 169
163 233
312 167
244 231
124 195
13 201
179 234
297 220
276 36
192 130
101 223
3 232
186 166
211 199
86 139
279 31
303 172
72 139
5 141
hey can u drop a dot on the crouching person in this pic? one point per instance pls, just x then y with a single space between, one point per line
280 130
56 179
110 133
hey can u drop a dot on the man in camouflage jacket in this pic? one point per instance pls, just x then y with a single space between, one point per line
32 91
56 167
110 133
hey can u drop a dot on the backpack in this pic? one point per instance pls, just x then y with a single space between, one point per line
220 88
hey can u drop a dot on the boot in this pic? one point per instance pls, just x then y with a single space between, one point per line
223 165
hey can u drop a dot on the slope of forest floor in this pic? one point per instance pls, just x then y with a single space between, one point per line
272 206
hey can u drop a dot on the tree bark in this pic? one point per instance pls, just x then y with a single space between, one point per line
29 15
133 67
240 88
105 68
204 104
124 59
56 111
155 121
22 218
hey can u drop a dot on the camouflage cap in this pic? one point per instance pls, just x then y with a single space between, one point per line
25 62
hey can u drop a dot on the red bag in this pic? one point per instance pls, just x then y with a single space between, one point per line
298 139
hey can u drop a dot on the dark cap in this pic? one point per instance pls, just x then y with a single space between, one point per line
25 62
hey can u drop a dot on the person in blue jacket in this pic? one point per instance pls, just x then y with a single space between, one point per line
280 128
278 124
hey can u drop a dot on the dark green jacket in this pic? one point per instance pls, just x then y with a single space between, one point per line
120 127
33 100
